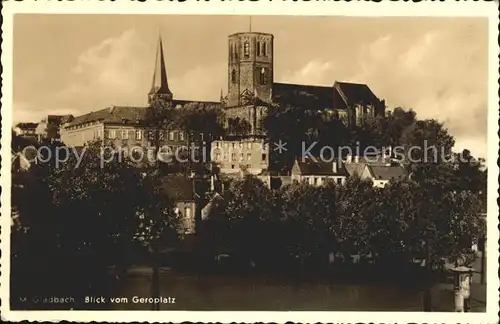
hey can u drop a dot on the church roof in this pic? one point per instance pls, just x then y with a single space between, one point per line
353 93
322 95
160 82
339 96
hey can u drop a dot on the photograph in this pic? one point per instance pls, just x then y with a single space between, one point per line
250 163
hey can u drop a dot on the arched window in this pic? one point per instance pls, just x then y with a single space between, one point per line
264 49
246 49
233 76
258 48
262 76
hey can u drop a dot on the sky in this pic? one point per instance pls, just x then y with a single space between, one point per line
438 66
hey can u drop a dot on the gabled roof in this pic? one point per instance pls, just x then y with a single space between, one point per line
115 114
178 188
355 168
354 93
387 172
214 201
308 166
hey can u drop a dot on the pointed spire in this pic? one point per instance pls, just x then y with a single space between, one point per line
159 87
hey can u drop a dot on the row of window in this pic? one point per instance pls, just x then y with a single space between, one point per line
138 134
241 158
317 181
262 49
241 145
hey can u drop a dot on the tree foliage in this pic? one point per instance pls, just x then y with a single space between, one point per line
396 223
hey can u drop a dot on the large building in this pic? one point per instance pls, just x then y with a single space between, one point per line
251 87
126 126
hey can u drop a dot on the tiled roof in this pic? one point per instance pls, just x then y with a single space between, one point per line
58 119
387 172
178 188
310 167
113 114
355 93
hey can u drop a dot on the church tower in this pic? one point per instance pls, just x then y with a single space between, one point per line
159 88
250 67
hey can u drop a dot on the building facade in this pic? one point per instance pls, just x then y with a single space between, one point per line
246 155
317 172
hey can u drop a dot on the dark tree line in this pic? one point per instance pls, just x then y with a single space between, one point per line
300 225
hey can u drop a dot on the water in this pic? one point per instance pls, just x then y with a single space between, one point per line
193 292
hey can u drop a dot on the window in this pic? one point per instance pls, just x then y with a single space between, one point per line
339 181
124 133
242 157
181 136
264 49
232 166
225 156
249 156
217 156
249 145
171 135
98 133
112 133
241 145
262 76
264 157
138 134
187 212
258 48
233 145
233 156
233 76
217 144
246 49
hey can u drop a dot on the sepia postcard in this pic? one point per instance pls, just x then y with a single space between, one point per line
266 161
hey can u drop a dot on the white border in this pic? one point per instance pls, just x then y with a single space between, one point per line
263 7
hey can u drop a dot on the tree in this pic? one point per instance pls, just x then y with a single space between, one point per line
200 117
92 214
248 207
